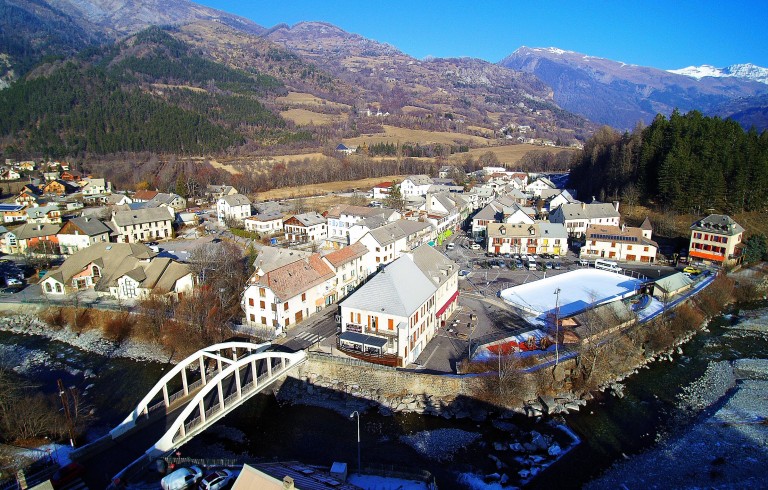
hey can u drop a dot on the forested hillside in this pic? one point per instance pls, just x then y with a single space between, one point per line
687 163
148 93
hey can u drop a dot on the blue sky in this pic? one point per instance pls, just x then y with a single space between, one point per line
664 34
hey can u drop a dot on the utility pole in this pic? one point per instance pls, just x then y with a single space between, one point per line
557 326
67 412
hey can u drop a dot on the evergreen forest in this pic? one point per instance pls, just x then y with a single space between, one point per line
687 163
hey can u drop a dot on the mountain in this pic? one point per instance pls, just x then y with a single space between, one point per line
746 71
618 94
468 89
31 30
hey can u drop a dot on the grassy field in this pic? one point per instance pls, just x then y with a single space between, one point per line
363 185
302 117
394 135
299 98
509 154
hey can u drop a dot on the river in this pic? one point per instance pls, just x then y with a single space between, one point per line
609 427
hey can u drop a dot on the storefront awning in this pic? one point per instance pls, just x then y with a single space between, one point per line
362 339
448 303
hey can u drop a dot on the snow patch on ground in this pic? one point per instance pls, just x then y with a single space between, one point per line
440 444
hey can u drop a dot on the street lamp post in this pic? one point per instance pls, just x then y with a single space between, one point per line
557 327
353 414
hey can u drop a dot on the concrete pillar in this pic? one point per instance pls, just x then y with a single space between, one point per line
202 369
165 395
183 430
218 361
254 373
184 381
234 354
282 363
221 395
202 410
237 383
269 366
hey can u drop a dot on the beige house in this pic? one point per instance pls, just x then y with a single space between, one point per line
524 238
120 270
623 243
269 223
716 238
145 224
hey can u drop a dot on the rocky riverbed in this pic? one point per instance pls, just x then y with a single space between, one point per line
727 445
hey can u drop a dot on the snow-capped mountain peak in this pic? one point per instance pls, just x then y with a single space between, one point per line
745 70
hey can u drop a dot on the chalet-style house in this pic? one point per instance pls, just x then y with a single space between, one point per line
95 187
40 238
501 210
13 213
392 317
216 192
717 239
119 270
306 228
82 232
342 217
44 214
59 188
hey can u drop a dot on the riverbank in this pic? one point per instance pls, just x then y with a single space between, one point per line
90 340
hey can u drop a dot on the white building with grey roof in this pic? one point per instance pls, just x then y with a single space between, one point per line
234 207
577 217
138 225
391 318
388 242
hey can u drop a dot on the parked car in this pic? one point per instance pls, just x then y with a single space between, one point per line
182 478
12 281
67 474
550 265
692 270
519 264
463 273
558 266
584 263
450 246
475 246
217 479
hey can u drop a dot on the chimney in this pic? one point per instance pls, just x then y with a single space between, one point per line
616 205
583 205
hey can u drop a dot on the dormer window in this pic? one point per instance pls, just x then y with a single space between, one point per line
502 230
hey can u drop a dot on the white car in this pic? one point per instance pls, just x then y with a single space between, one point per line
450 246
475 246
12 281
182 478
217 479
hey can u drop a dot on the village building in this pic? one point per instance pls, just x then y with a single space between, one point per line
95 187
13 213
44 214
82 232
169 200
623 243
415 185
144 195
716 238
36 238
119 270
305 228
392 317
536 238
216 192
342 217
146 224
536 187
381 190
9 174
387 243
59 188
265 224
233 208
577 217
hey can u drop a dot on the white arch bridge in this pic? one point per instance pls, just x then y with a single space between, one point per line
211 383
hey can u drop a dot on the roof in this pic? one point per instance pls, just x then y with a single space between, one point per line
88 226
588 211
383 185
271 258
41 211
11 208
144 195
116 260
310 219
294 278
613 233
420 179
674 282
268 216
346 254
720 224
552 230
399 289
35 230
396 230
363 339
270 476
236 200
138 216
339 210
646 224
433 264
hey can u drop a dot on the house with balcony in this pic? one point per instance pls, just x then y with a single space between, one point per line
386 243
119 270
95 187
13 213
44 214
536 238
391 318
342 217
415 185
348 264
306 228
147 224
82 232
233 208
624 243
716 238
287 287
576 217
39 238
265 224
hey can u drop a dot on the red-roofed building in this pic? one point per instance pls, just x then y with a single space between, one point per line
381 190
144 196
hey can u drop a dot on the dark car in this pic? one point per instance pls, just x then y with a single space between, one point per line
67 474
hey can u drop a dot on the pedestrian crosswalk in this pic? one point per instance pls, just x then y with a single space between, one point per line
309 337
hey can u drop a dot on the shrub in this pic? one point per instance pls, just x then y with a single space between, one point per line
118 327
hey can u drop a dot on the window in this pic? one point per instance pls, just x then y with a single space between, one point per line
262 305
48 288
263 320
58 287
253 318
303 296
285 306
391 324
250 301
262 292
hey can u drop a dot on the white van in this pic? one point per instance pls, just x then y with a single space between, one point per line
531 265
584 263
450 246
607 265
